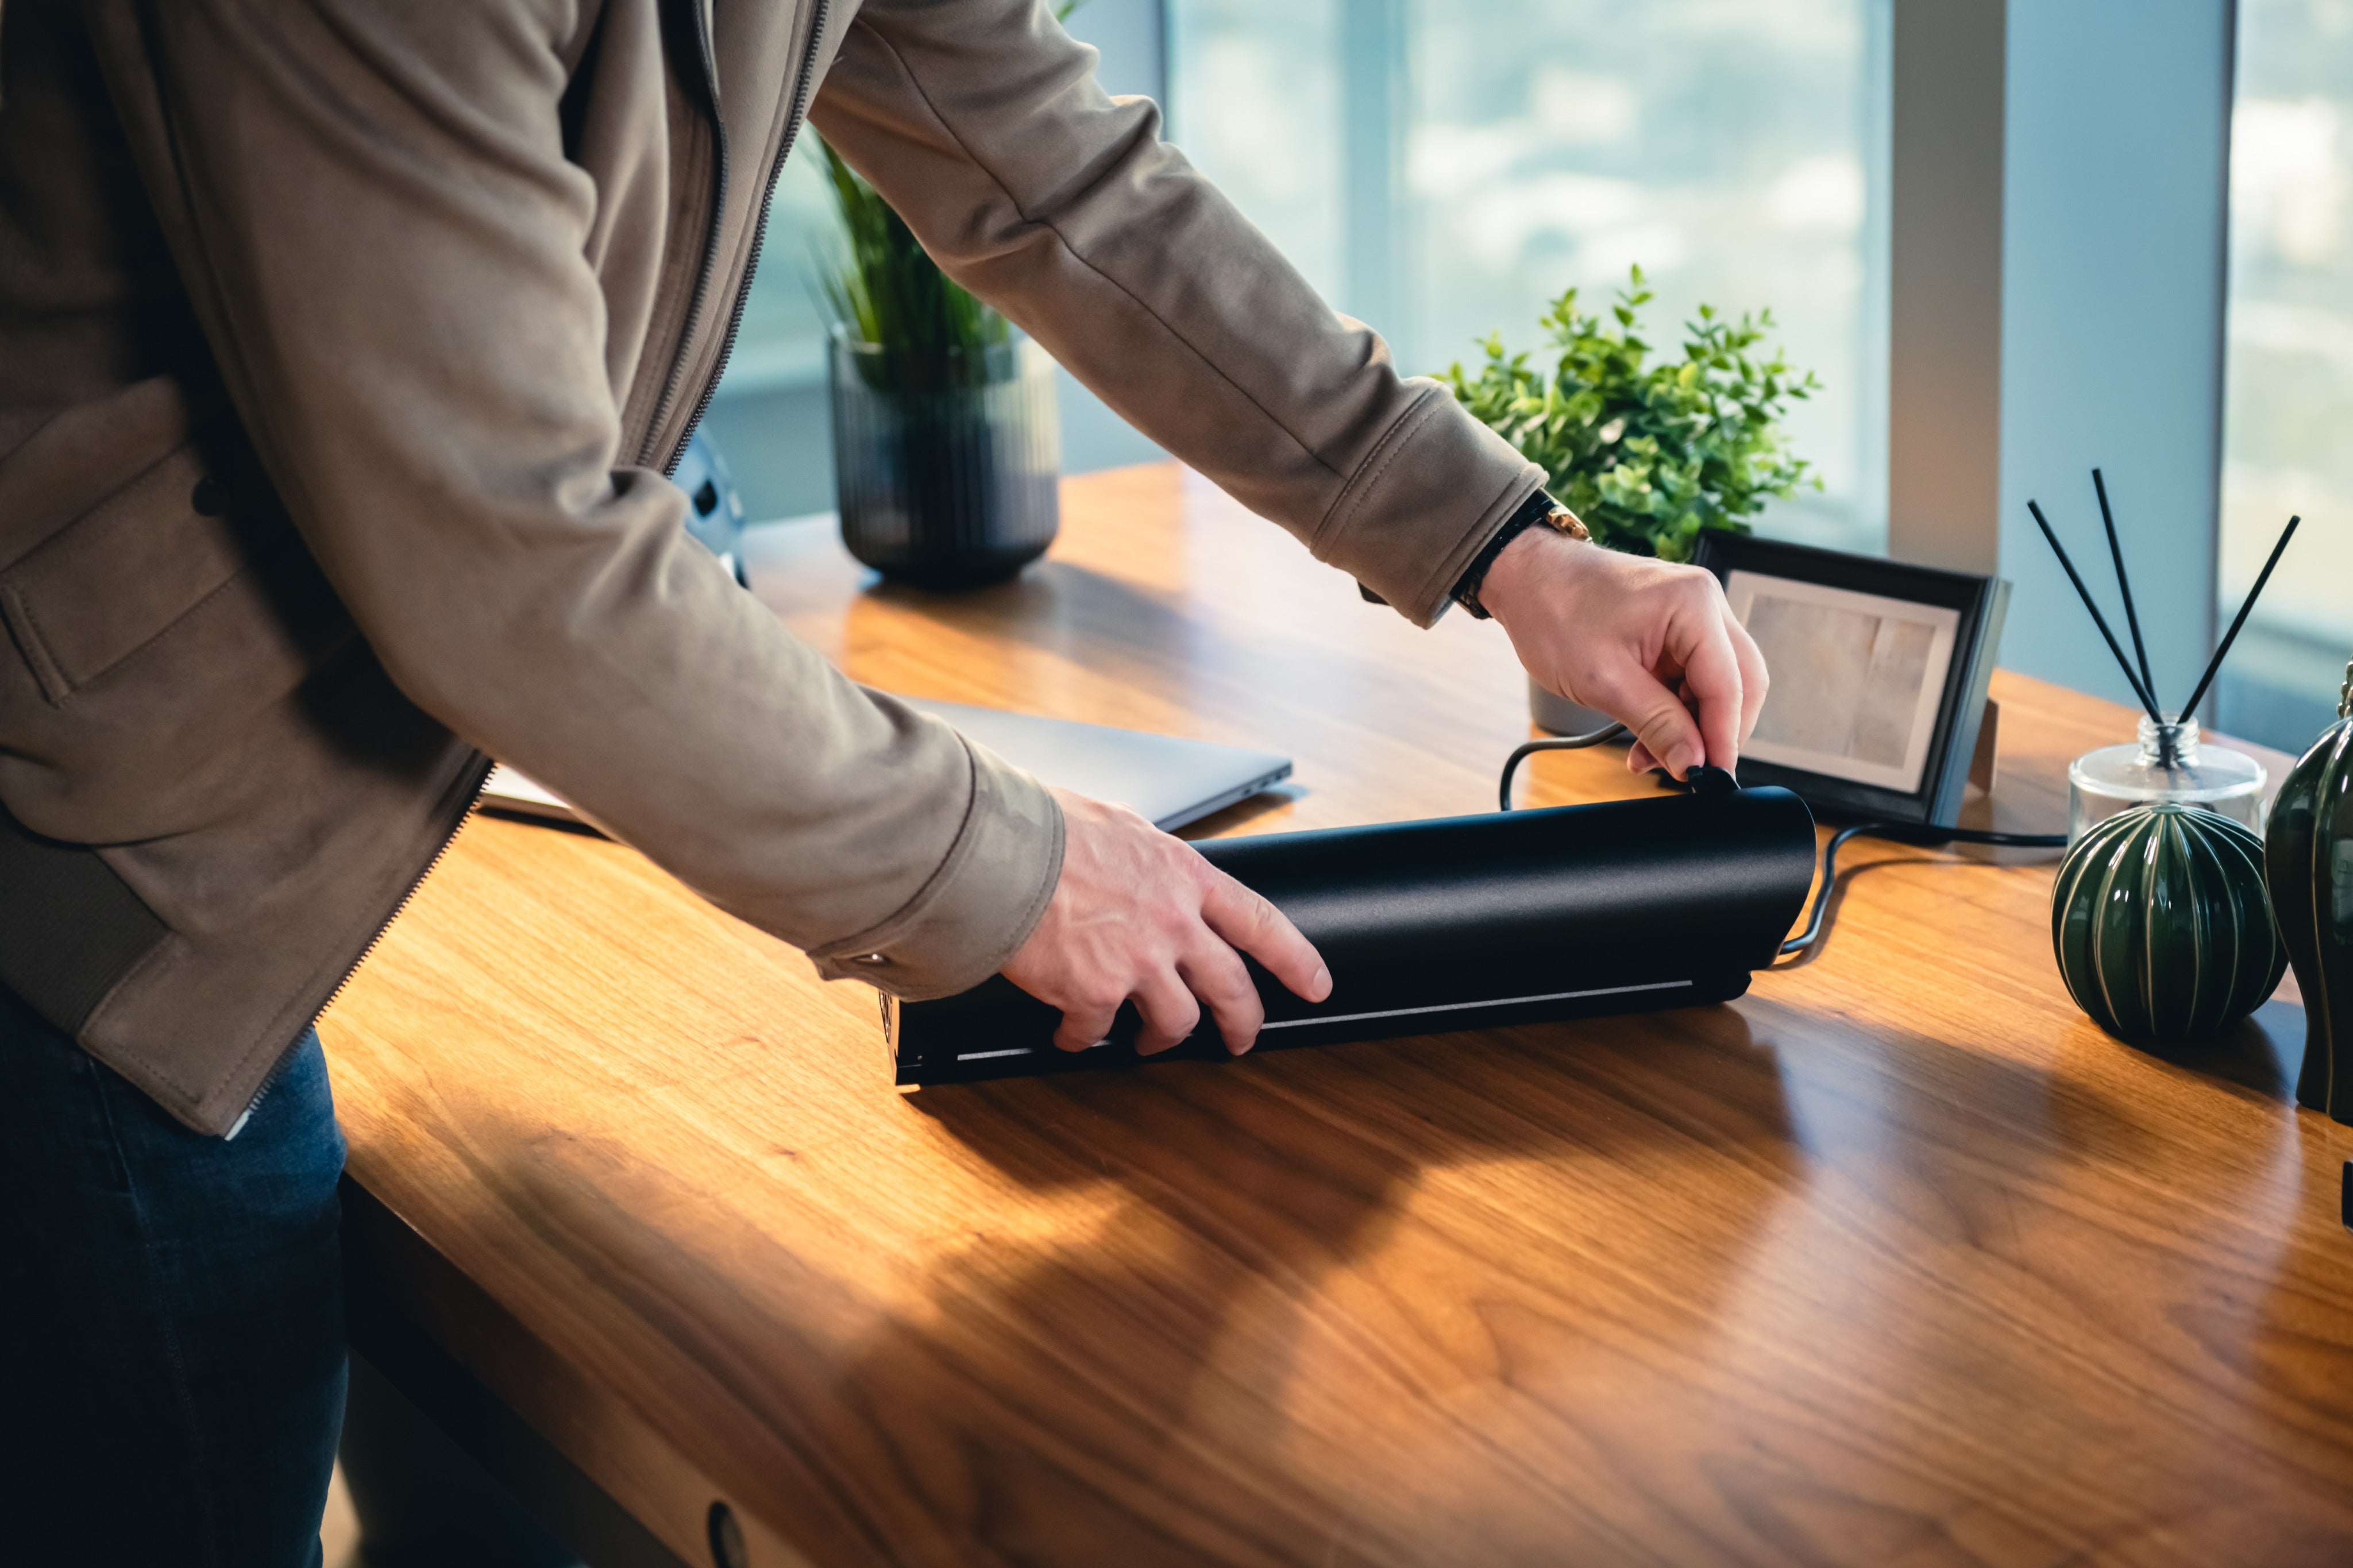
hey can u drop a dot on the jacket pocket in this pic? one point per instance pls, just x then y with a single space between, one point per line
118 575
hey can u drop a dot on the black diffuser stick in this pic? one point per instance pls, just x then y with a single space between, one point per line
2239 620
2124 585
2099 620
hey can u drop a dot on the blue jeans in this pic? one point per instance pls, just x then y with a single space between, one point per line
171 1316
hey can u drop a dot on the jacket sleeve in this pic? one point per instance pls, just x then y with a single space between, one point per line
379 229
981 122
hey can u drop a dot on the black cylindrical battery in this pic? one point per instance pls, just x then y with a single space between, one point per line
1459 923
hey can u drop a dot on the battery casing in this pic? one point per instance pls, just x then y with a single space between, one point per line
1466 923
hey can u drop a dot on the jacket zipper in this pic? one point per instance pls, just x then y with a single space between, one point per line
480 770
804 87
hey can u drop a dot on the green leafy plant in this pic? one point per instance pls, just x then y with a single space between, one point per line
885 289
1647 454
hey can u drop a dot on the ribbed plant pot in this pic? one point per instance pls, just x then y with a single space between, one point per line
2162 927
2308 860
944 466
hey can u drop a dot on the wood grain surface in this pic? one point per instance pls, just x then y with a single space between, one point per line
1897 1260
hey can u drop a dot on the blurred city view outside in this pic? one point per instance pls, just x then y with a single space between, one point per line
783 334
1734 149
2287 443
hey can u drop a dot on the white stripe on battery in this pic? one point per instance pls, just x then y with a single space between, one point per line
1403 1012
1466 1006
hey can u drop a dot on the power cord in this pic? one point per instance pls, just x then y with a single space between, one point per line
1550 743
1923 834
1920 833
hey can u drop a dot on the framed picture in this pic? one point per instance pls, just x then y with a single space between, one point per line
1880 673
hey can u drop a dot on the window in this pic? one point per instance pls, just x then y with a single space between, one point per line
2288 403
771 417
1444 170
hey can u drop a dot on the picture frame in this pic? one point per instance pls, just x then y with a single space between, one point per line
1881 671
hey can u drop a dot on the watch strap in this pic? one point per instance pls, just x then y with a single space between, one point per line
1539 508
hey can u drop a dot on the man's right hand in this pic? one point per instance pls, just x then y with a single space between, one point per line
1139 915
1643 641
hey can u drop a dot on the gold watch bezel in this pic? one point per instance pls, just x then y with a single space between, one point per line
1564 520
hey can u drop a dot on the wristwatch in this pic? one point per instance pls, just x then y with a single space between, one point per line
1538 508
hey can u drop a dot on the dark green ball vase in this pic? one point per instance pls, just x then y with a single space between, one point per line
2308 857
2162 927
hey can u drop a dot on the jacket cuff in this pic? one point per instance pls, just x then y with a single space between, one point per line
1421 505
981 904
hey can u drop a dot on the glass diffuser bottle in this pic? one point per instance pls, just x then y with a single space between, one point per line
2167 765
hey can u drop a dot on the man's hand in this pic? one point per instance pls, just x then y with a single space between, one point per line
1643 641
1140 915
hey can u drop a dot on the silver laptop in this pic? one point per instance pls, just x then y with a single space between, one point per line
1167 779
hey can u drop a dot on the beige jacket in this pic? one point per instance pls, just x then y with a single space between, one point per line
344 348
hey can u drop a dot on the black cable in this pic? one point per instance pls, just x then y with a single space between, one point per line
1922 835
1927 836
1550 744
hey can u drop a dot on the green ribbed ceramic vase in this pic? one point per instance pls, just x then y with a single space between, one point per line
2308 857
2162 927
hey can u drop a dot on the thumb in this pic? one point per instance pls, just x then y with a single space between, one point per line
1661 723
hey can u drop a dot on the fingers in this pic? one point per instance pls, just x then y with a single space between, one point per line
1216 975
1086 1024
1712 680
1170 1004
1247 921
1725 719
1755 678
1138 916
1665 734
1170 1013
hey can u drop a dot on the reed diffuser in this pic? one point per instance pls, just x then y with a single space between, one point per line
2166 764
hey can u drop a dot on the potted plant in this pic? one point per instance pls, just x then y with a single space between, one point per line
1647 453
946 448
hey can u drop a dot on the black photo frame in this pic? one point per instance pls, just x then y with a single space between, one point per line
1979 603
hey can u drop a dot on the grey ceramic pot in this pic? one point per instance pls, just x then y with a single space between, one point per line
946 470
1561 716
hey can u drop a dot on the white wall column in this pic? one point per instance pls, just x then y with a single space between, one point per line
1944 294
2115 242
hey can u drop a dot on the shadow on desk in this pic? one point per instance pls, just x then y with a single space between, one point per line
1265 1247
2263 1056
1271 1304
1270 1298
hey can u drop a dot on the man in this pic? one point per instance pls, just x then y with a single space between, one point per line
342 350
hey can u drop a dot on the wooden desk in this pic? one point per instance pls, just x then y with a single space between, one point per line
1897 1260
